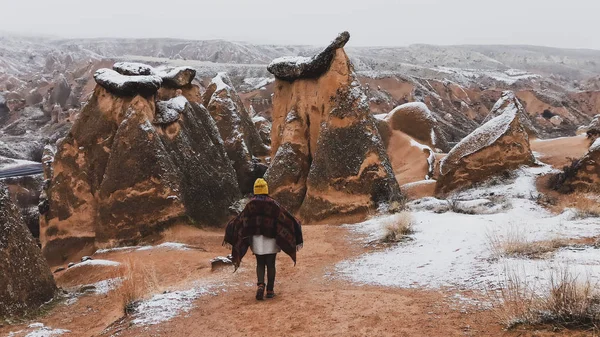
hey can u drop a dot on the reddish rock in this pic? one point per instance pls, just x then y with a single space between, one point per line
26 280
328 157
243 143
119 178
415 120
500 145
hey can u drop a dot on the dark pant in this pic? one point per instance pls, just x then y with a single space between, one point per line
268 261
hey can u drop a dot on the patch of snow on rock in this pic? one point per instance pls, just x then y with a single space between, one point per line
595 146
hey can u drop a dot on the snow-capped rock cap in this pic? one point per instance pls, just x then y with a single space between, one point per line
292 68
124 85
177 77
133 69
168 112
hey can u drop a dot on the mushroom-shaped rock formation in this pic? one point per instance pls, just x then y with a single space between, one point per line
124 85
415 120
509 102
583 175
297 67
242 141
25 276
500 145
328 157
117 177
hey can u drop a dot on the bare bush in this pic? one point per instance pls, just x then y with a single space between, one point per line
139 282
566 302
398 227
515 244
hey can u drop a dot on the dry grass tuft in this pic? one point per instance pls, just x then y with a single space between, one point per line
515 244
566 302
139 281
398 227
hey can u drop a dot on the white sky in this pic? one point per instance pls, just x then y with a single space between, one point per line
558 23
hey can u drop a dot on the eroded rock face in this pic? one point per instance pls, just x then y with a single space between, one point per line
243 144
500 145
415 120
263 126
593 130
26 280
328 157
583 175
130 167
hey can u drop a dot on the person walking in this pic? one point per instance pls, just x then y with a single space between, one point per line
267 228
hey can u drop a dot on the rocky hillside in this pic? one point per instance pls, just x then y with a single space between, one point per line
43 82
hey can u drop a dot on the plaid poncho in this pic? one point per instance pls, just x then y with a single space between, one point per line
263 216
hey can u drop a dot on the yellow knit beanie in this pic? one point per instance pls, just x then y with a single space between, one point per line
261 187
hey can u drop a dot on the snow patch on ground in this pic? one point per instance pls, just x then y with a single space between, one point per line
165 306
453 250
116 249
104 263
166 245
38 330
105 286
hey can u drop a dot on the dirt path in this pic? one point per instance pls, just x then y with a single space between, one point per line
310 301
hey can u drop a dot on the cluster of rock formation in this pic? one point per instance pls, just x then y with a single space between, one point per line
328 157
25 276
243 143
143 154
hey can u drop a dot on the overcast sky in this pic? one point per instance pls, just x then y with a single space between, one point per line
558 23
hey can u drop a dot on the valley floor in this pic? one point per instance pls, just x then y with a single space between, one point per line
342 285
310 301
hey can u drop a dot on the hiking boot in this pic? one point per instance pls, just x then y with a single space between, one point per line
270 294
260 292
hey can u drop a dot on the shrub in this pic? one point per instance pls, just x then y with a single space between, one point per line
138 283
515 244
566 302
398 227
